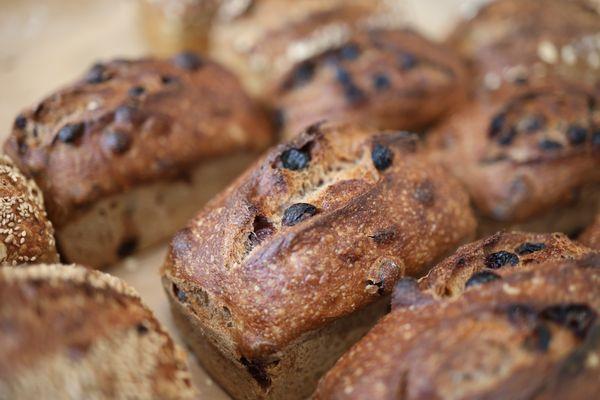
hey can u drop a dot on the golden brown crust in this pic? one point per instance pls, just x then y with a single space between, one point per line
262 39
515 337
66 329
525 152
108 132
591 236
555 38
357 230
26 234
494 257
394 79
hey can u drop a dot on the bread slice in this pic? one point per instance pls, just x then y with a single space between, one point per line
72 333
292 263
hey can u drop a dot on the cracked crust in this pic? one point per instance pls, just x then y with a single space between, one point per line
258 275
26 234
533 334
69 332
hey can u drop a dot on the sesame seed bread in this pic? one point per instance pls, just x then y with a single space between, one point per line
591 236
390 79
72 333
529 156
261 40
125 155
555 38
293 262
534 334
26 234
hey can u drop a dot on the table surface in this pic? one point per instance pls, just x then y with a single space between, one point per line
46 43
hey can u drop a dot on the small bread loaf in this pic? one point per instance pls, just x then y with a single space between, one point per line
533 334
173 26
391 79
289 266
591 236
26 234
515 41
529 157
128 153
262 39
71 333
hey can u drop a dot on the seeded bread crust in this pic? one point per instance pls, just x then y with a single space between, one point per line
69 333
129 125
300 242
534 334
591 236
262 39
555 38
391 79
529 158
26 234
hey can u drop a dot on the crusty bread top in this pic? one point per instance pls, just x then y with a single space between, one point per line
66 329
131 122
555 37
533 332
591 236
492 258
523 152
26 234
262 40
320 227
391 79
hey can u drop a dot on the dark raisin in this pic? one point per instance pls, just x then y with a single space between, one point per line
424 193
188 61
576 317
547 144
507 136
141 329
343 76
257 371
167 79
297 213
125 114
127 247
407 61
136 91
261 229
20 122
303 74
596 138
496 125
180 294
350 52
576 134
528 248
96 74
531 123
116 141
384 236
295 159
382 157
521 314
381 81
539 339
70 133
481 277
354 94
500 259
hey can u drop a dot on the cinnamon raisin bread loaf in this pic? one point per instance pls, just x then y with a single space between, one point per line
391 79
290 265
71 333
529 157
125 155
533 334
591 236
26 234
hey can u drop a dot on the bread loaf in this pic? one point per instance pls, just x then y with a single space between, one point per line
26 234
533 334
125 155
71 333
292 263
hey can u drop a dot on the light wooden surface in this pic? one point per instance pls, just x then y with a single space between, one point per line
47 43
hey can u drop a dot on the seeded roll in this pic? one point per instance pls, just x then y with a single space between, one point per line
529 158
591 236
533 334
389 79
555 38
261 40
291 264
127 154
26 234
490 259
70 333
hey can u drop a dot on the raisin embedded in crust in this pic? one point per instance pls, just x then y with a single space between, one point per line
297 213
70 133
97 74
528 248
482 277
188 61
136 91
576 134
20 122
295 159
577 317
382 157
116 141
500 259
